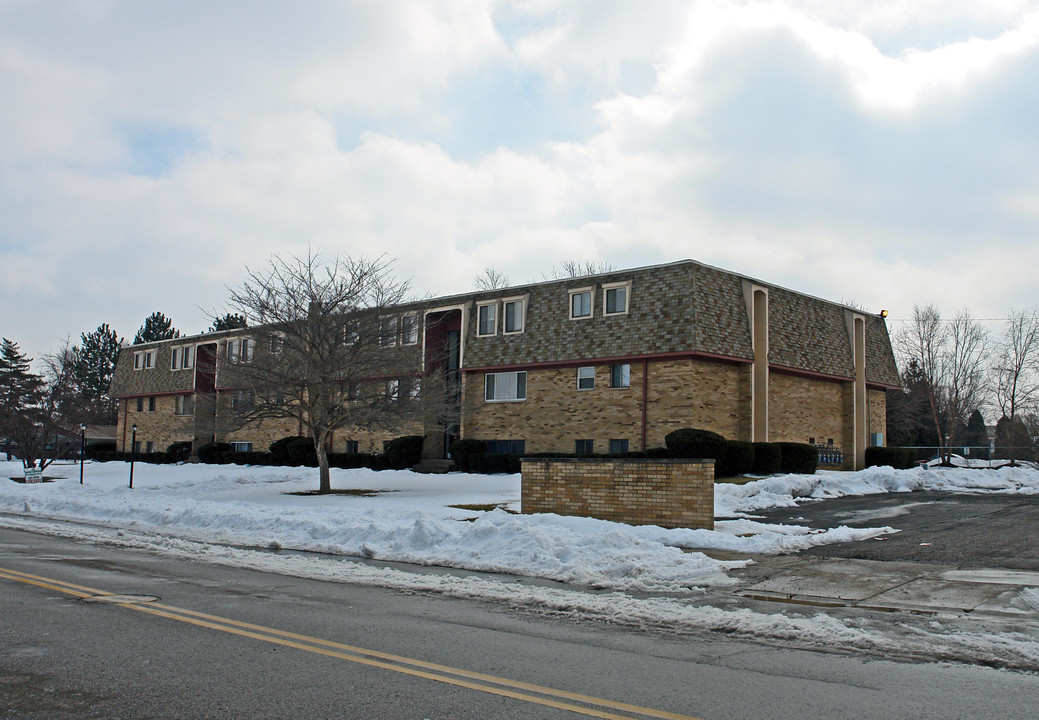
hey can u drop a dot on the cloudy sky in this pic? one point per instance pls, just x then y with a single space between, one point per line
881 152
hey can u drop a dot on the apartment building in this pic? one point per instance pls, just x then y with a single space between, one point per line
604 363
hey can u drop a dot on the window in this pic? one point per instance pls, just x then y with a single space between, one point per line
140 404
615 299
393 390
585 378
233 351
185 405
241 447
618 446
409 330
388 332
181 358
351 446
350 334
584 447
137 446
502 387
487 319
242 401
248 345
277 343
620 376
506 447
149 447
580 303
151 404
514 313
144 360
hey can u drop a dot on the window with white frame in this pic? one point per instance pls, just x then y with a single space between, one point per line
277 341
241 447
184 405
234 350
248 345
388 331
487 319
393 390
615 298
505 386
514 311
144 360
409 330
350 334
182 358
620 376
586 378
580 303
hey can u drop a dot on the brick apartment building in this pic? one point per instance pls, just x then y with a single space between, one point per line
604 363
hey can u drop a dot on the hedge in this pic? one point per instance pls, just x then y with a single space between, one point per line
403 452
738 460
210 452
798 458
464 450
695 444
896 457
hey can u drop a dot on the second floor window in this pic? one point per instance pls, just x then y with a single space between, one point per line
620 376
185 405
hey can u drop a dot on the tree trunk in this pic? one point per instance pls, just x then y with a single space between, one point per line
325 483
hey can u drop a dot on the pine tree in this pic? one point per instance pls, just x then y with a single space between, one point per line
21 395
156 327
230 321
94 365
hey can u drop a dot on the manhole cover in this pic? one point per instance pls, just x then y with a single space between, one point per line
120 599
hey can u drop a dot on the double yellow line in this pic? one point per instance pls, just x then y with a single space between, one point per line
526 692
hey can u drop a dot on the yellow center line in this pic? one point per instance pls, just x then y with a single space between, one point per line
417 668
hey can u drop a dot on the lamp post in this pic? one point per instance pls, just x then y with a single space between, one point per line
82 449
133 451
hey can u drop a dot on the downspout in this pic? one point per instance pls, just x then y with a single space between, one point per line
126 411
645 398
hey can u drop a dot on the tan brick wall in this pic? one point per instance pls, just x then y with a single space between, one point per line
680 393
668 493
162 427
877 402
801 408
697 394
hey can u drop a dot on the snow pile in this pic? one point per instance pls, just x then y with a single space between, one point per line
407 517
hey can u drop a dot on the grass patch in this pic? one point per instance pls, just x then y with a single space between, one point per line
358 492
486 507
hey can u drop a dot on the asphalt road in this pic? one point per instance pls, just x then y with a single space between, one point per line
229 643
971 531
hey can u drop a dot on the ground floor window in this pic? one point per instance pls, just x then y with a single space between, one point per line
185 405
351 446
620 376
241 447
499 387
618 446
506 447
584 447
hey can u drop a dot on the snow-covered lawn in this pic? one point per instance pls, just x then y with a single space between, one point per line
408 517
231 515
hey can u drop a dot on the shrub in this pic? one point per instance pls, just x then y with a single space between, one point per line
798 458
896 457
245 458
494 464
350 460
180 451
209 452
768 458
695 444
464 450
293 450
94 451
738 460
655 453
403 452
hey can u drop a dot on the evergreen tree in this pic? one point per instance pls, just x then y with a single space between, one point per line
156 327
93 367
975 435
230 321
1013 440
21 397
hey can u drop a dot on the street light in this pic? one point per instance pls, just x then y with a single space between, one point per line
82 449
133 451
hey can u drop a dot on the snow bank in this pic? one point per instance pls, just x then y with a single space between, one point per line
414 518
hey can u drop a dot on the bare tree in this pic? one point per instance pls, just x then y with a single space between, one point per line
329 351
491 279
1016 367
34 409
963 370
575 269
920 345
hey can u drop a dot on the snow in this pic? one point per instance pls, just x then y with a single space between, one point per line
236 515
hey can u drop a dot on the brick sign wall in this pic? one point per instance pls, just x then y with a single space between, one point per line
668 493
